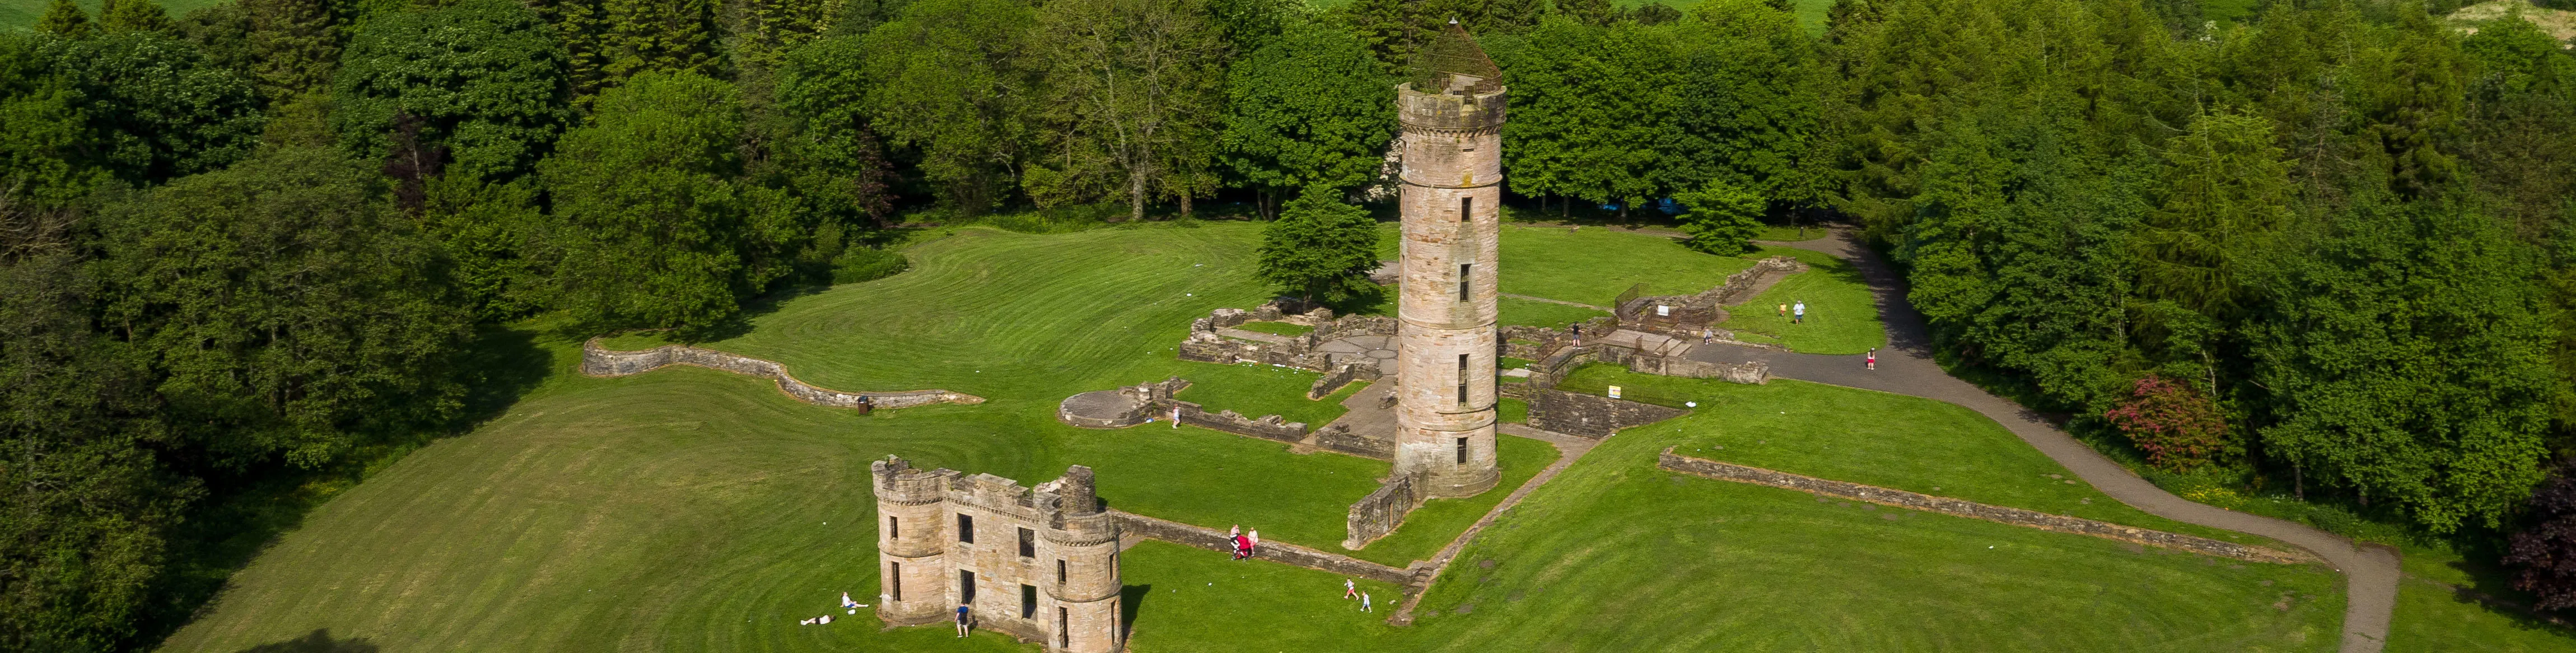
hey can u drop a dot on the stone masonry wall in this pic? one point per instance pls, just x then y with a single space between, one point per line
1284 553
1589 416
1340 438
1268 427
1381 512
1748 372
598 361
1342 375
1970 509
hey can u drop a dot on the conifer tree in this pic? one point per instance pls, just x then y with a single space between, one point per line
121 16
665 35
66 19
294 46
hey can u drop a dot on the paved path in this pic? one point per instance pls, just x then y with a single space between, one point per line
1906 367
1569 448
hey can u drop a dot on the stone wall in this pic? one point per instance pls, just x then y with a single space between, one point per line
1342 375
1748 372
1589 416
1686 315
1381 511
599 361
1204 345
1970 509
1284 553
1337 437
1268 427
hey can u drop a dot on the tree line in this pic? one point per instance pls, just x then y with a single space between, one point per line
2320 251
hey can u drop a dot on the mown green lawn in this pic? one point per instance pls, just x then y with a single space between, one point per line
1842 316
1439 521
1616 555
22 14
1522 312
691 509
2434 615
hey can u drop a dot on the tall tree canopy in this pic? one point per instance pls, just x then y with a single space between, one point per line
482 79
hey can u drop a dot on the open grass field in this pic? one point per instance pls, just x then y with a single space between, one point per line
2434 615
690 509
22 14
1614 554
1842 317
1521 312
1438 521
1876 438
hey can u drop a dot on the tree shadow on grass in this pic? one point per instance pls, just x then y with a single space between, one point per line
505 363
1129 597
318 641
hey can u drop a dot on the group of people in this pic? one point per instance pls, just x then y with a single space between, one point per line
1243 542
1351 590
846 604
1797 313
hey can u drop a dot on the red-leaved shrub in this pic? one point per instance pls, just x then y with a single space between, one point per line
2177 426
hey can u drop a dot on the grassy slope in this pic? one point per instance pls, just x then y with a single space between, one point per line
1614 554
1842 317
22 14
1875 438
1592 266
2434 616
1438 521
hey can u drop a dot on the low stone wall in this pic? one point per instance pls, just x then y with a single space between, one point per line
1204 345
1340 438
1119 408
1342 375
1748 372
599 361
1381 512
1589 416
1284 553
1268 427
1686 315
1970 509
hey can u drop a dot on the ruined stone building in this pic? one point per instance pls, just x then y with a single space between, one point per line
1040 564
1452 117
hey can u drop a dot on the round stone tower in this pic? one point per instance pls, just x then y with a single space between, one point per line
912 543
1452 117
1086 599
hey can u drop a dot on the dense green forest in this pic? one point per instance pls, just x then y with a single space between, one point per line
2323 248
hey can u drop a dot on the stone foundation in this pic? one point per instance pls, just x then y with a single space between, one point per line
1970 509
1342 375
1381 512
1589 416
1340 438
1214 540
598 361
1686 315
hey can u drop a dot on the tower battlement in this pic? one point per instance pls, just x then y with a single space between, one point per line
1038 563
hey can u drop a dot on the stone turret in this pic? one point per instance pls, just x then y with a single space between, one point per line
1452 117
1040 564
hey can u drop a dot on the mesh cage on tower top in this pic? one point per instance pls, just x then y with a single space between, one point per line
1453 64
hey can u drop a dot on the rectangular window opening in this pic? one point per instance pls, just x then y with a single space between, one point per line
1059 573
1462 379
1466 271
894 577
1064 628
1028 601
965 528
1467 208
965 587
1462 451
892 531
1028 543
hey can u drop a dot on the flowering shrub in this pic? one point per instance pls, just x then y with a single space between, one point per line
2178 427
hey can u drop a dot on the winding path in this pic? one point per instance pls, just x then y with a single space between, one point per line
1907 368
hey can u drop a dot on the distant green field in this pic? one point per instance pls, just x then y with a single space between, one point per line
22 14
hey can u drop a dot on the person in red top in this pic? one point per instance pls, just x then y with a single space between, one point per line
1873 358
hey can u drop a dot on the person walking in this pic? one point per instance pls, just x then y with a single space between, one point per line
1784 310
1252 542
1798 313
1706 334
1176 418
1873 359
1350 590
1364 602
961 620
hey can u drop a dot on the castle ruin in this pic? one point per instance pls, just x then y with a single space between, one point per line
1040 564
1452 117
